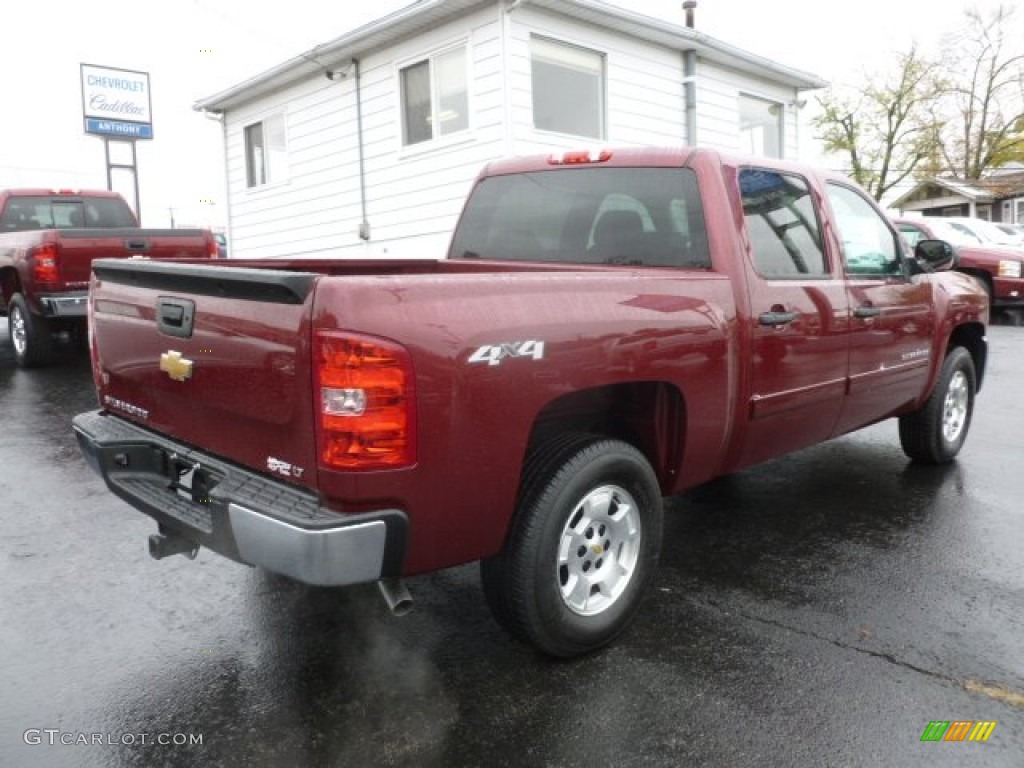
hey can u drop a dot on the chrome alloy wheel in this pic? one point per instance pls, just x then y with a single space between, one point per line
954 407
598 550
19 334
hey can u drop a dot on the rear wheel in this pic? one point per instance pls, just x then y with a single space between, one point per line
30 334
583 547
936 432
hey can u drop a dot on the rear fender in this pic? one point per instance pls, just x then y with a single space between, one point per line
650 415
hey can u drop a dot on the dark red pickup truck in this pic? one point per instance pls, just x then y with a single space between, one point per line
1000 269
609 328
48 240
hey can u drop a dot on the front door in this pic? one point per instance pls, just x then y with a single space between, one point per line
892 317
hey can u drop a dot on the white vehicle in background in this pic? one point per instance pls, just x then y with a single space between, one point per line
1015 231
988 234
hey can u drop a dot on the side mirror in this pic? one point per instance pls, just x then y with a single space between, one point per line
937 254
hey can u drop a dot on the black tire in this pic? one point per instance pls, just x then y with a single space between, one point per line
936 432
30 335
570 579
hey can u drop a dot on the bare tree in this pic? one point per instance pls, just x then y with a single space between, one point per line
982 112
884 130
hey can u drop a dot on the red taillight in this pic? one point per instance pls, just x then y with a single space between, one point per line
365 402
579 158
44 264
211 248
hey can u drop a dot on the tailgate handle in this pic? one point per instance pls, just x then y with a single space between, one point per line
136 245
174 317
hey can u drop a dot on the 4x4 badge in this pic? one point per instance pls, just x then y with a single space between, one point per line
175 366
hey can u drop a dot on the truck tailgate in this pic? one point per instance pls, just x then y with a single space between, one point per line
79 247
212 357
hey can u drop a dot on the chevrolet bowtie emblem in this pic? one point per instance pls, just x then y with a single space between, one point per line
175 366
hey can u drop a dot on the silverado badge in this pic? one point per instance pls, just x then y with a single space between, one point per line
175 366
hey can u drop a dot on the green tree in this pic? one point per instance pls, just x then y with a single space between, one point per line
884 130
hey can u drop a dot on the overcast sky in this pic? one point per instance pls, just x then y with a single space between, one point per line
195 48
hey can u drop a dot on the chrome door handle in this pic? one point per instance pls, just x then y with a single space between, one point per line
777 318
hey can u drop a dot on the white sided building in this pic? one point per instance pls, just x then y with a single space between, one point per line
366 145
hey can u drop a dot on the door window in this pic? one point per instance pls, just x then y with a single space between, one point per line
869 244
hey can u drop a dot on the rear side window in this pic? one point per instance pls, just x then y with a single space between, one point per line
632 216
24 213
782 225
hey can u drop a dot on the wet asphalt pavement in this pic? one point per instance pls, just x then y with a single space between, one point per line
820 610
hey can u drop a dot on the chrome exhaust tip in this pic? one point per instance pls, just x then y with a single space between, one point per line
396 596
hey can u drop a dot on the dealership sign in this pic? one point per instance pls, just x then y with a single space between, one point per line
116 102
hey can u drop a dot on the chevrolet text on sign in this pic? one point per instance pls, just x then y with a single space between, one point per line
116 102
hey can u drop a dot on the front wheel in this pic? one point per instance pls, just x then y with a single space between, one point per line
936 432
30 334
583 547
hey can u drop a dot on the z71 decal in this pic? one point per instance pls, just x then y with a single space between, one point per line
493 354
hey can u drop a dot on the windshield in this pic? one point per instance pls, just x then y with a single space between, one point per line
634 216
952 233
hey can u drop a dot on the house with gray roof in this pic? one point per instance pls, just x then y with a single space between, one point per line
365 146
997 197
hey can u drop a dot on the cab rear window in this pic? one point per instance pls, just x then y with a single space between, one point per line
629 216
36 212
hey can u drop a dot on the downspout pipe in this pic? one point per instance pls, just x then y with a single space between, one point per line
690 78
352 66
690 95
364 224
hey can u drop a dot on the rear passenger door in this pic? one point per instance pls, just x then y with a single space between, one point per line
799 316
892 313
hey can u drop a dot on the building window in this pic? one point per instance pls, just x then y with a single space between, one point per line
760 126
435 97
266 152
568 88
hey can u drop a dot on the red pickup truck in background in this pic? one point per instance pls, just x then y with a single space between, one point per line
48 240
609 328
1000 269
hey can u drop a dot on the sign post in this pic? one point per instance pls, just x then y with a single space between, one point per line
117 106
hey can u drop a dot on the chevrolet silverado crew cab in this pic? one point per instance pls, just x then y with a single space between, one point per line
48 240
609 328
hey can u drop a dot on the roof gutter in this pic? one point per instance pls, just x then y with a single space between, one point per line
312 62
426 13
